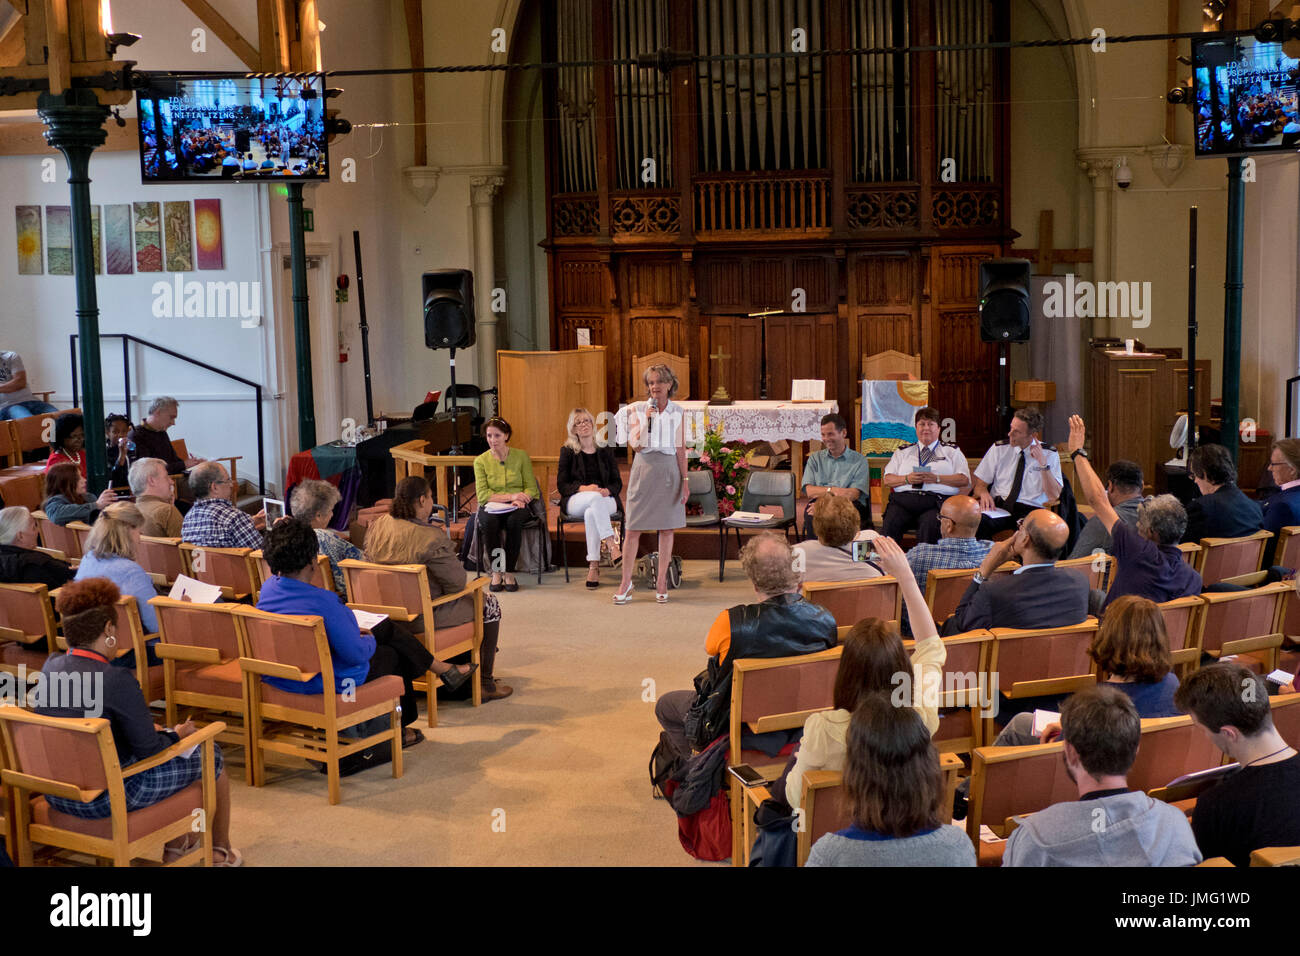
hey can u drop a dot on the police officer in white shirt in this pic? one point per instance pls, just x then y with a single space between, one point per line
1018 475
922 475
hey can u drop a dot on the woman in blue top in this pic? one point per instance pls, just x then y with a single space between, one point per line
110 553
290 551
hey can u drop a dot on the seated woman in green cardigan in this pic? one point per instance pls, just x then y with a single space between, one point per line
504 483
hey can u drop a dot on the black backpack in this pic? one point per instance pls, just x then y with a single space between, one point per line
688 781
710 715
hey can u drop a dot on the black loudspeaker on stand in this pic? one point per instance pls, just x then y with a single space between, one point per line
1004 317
449 317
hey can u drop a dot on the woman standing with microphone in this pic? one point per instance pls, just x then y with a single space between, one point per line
657 489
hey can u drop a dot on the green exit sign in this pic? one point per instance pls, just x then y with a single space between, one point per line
309 220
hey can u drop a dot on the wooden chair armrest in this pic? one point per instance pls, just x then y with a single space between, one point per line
159 580
19 636
78 525
1216 861
251 665
476 585
42 393
756 795
188 652
205 733
55 788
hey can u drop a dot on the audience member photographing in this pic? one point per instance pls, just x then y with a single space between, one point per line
893 783
1222 510
313 501
66 498
1109 825
830 557
506 487
404 536
1148 562
1259 805
781 624
110 553
589 482
922 475
20 562
154 493
1124 492
213 521
88 618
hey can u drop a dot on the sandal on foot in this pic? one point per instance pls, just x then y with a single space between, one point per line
172 854
229 856
454 678
410 737
625 596
661 597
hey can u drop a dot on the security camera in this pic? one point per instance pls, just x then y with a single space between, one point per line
1123 175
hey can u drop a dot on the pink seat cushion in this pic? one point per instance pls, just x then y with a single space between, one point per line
139 823
15 654
368 694
219 680
451 636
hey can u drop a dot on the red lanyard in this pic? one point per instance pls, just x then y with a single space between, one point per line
93 655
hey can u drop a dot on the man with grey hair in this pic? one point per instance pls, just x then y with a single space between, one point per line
1148 562
213 521
781 624
20 562
151 440
154 493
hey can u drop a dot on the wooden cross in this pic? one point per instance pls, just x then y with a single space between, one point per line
720 396
1045 257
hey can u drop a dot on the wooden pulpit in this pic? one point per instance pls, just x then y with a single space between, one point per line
539 389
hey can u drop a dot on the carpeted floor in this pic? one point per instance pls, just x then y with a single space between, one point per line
554 775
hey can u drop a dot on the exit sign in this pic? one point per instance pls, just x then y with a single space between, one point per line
309 220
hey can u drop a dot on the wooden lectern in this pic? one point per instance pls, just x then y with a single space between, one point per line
539 389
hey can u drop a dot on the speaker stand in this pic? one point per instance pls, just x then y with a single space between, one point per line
1004 385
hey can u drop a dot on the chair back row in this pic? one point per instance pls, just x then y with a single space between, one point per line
239 572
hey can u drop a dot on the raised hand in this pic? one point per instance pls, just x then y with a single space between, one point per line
1077 433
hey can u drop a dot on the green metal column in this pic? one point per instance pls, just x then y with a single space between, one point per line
74 123
1232 308
301 321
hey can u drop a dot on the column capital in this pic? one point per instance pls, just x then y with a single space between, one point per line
482 189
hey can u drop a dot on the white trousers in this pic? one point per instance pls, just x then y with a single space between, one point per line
595 509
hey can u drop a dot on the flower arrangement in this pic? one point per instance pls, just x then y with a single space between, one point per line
729 467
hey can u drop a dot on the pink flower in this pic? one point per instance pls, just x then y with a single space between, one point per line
725 450
704 459
731 489
742 463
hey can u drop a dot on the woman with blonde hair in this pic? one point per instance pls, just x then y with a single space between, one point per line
589 484
657 488
110 553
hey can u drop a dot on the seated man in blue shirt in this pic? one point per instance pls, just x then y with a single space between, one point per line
837 470
290 551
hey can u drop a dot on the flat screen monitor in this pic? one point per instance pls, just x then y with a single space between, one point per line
237 130
1245 96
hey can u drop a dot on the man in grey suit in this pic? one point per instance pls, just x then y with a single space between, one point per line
1036 594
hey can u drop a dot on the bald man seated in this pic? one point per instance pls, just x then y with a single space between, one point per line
1036 594
959 519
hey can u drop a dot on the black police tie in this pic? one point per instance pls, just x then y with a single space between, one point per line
1014 494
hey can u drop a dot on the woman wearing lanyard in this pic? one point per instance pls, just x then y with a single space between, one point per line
657 488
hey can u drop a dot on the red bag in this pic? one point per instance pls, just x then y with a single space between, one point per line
707 835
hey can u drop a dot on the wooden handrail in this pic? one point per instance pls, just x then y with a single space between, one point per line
410 458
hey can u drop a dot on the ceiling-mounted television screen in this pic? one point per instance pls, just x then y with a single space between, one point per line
233 129
1245 94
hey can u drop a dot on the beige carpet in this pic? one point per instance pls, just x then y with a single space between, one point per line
553 776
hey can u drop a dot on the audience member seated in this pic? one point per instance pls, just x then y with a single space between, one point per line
1109 825
1148 562
155 493
118 449
313 501
66 498
872 661
589 482
1222 510
959 519
1017 475
780 624
1282 509
922 475
837 470
110 553
213 521
89 624
16 399
20 562
503 480
830 557
404 536
894 785
1124 492
1259 805
291 550
151 440
1037 594
69 444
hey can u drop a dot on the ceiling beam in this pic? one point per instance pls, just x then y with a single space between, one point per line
415 40
228 35
27 139
13 44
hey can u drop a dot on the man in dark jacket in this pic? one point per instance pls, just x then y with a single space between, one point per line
20 562
1222 510
781 624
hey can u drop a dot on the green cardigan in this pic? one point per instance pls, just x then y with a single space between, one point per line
493 477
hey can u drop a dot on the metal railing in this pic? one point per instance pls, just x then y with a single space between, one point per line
126 386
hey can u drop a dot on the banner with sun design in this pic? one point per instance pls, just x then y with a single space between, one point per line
28 219
207 234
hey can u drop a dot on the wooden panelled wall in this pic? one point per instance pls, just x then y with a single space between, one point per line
881 265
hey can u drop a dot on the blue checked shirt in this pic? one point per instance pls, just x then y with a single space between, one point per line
945 553
216 523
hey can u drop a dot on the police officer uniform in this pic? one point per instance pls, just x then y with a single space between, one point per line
918 505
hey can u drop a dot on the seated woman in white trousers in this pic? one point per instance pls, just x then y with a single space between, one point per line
589 484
